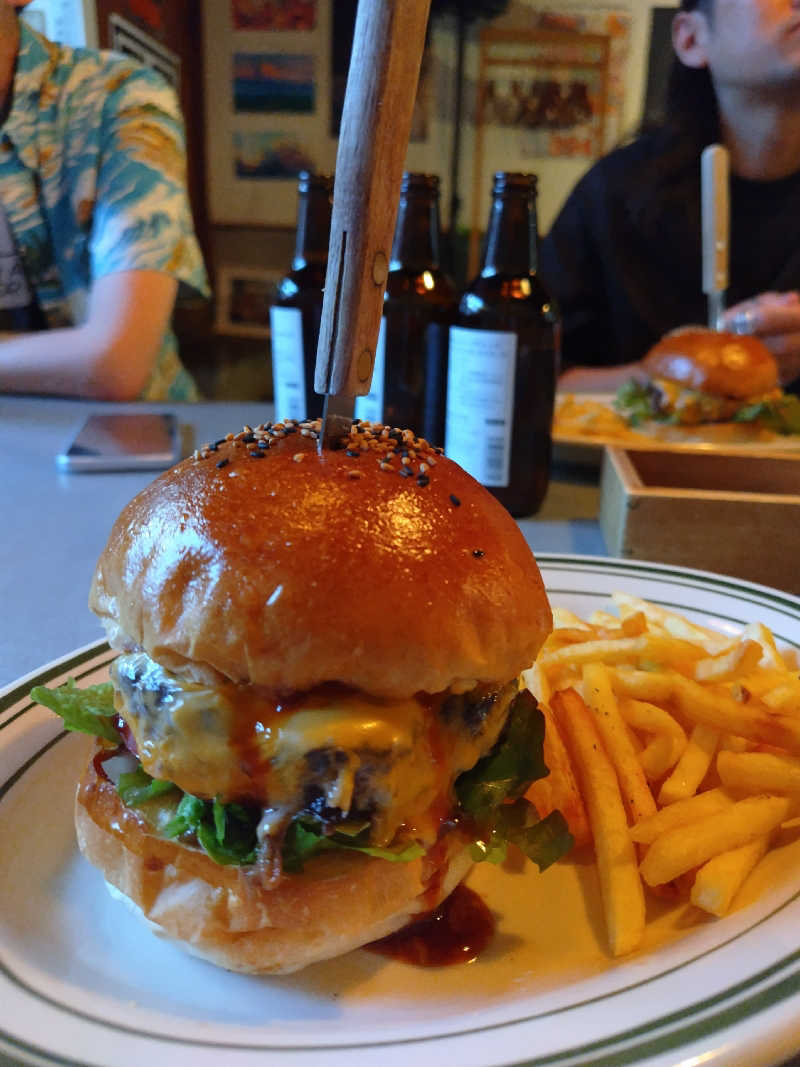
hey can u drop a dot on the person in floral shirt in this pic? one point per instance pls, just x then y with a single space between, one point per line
96 219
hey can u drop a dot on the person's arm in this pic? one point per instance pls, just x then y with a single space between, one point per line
775 318
108 357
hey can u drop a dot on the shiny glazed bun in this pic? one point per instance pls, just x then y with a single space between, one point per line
315 648
227 916
287 569
725 364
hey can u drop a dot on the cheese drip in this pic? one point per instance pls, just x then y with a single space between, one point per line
332 750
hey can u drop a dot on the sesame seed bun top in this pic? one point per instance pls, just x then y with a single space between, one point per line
262 561
711 361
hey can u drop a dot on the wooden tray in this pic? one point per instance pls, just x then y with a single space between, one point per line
723 512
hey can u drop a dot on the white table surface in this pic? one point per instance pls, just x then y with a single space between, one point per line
54 525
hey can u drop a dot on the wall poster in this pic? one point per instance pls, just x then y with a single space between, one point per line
268 77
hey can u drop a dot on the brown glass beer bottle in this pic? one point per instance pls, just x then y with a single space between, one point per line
409 378
295 315
503 358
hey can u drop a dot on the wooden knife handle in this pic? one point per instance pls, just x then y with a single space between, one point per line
376 121
714 175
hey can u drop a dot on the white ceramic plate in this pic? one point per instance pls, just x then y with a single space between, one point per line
81 982
573 445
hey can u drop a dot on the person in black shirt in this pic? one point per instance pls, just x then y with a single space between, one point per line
624 258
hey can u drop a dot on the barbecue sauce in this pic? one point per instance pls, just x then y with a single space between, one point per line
455 932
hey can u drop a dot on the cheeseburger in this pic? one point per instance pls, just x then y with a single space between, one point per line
315 723
697 375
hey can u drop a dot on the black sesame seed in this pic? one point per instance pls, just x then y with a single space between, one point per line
423 479
354 452
455 501
263 444
405 472
218 442
478 552
256 453
223 462
248 438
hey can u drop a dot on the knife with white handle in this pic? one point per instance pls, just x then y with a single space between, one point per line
714 175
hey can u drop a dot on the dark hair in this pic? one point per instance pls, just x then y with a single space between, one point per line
690 122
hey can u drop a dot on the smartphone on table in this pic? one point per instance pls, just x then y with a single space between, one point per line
123 441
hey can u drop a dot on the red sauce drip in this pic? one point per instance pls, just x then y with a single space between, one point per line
455 932
100 758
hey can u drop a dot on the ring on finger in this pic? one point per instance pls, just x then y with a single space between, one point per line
744 321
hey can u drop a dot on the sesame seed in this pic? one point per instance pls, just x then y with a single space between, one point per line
423 480
223 462
406 472
455 501
353 474
256 453
353 452
478 553
298 457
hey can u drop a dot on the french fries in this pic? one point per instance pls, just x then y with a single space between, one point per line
675 752
620 884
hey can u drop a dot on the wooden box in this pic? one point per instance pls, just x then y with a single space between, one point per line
725 512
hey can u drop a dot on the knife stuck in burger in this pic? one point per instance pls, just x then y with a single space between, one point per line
315 724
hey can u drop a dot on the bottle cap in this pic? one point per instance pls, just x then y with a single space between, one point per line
307 180
505 180
413 180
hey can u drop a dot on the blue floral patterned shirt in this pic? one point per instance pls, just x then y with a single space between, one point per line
92 179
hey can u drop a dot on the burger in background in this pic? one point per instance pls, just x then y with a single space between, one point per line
697 376
315 724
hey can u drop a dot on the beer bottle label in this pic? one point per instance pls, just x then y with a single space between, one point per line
480 402
369 408
288 365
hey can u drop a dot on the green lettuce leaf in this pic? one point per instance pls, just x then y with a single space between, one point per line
507 771
305 837
226 832
781 415
638 402
137 787
86 711
492 793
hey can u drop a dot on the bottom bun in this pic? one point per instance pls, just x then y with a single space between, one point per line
229 916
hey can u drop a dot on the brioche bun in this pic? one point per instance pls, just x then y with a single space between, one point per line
225 915
303 568
345 630
710 361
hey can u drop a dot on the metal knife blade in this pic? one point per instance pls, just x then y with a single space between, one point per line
714 180
337 418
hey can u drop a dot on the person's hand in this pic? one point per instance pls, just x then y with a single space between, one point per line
775 318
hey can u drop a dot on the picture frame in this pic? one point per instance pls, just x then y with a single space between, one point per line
267 81
244 296
550 92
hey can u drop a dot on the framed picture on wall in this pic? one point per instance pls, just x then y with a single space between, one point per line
553 89
268 77
244 296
